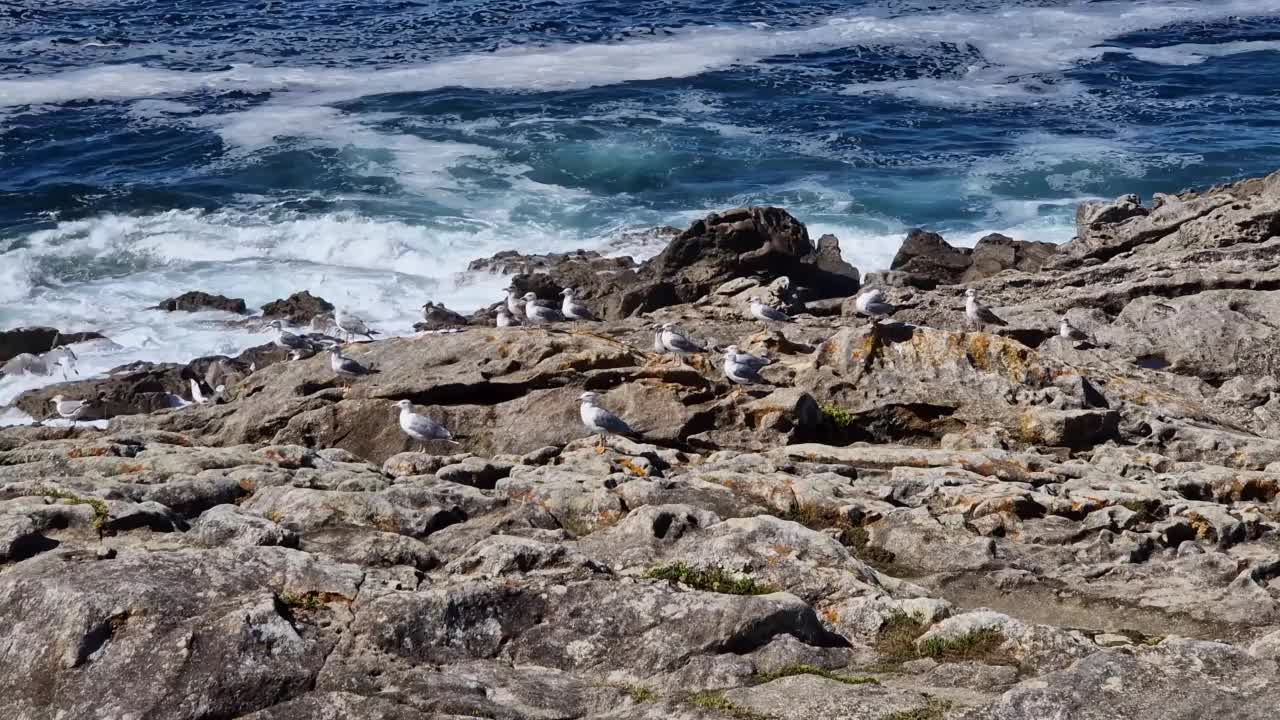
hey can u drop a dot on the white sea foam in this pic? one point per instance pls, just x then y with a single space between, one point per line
1196 53
1016 45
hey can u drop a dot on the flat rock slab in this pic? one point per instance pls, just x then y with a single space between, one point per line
804 697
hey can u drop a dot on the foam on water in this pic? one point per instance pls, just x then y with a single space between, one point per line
1016 45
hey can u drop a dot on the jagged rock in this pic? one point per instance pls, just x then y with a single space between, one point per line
225 525
37 340
297 309
995 253
196 301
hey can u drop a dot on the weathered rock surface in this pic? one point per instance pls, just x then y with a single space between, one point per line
195 301
297 309
37 340
907 519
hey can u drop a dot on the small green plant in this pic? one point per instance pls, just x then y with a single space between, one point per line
305 601
717 702
711 579
837 416
640 694
980 645
896 642
100 510
815 670
935 710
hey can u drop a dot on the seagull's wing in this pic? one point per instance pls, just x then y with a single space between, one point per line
742 373
986 316
580 312
680 343
611 423
351 367
771 313
880 308
750 360
429 428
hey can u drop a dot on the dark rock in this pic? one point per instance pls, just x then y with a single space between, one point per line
297 309
995 253
926 254
129 389
196 301
37 340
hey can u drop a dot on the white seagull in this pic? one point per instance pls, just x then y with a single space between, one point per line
505 319
674 340
421 427
599 421
658 347
572 309
515 303
539 314
871 303
345 367
352 324
743 368
767 313
977 313
290 341
1071 332
69 409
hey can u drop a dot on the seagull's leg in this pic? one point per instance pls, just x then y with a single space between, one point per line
600 444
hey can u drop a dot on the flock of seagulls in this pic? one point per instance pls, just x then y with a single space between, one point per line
740 368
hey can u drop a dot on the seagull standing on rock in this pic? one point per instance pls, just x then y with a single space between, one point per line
977 313
69 409
289 341
599 421
767 313
345 367
539 314
572 309
743 368
515 303
420 427
505 319
658 347
352 324
1071 332
674 340
871 303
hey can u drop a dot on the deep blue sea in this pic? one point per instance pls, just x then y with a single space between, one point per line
368 150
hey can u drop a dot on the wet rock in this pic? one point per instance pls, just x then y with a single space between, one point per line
297 309
37 340
197 301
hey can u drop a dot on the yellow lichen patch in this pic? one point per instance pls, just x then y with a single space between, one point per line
87 452
831 616
632 469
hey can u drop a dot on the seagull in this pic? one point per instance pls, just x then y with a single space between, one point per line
978 313
871 303
320 323
63 357
674 340
572 309
505 319
421 427
289 341
352 324
743 368
658 347
760 311
1071 332
539 314
69 409
600 421
515 304
196 393
345 367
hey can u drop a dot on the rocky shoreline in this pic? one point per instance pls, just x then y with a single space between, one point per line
913 520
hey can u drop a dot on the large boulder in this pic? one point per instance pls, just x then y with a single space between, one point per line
196 301
37 340
297 309
761 242
928 260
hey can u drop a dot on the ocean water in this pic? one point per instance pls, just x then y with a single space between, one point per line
368 151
